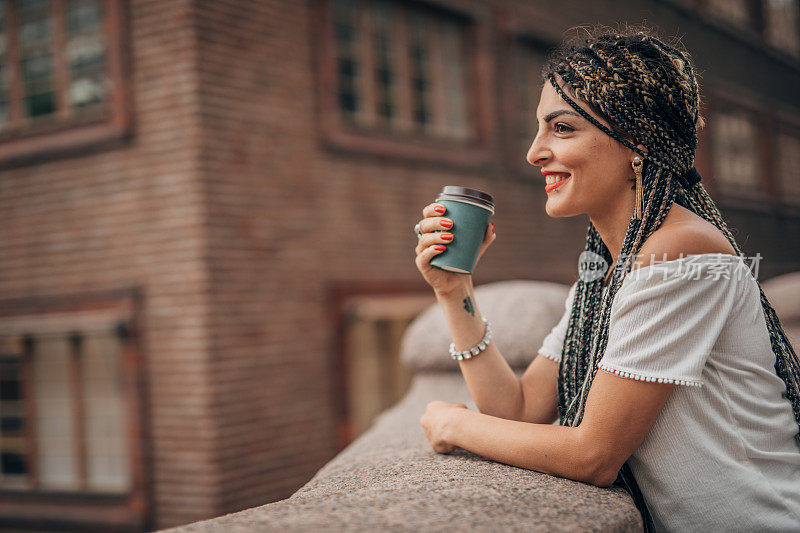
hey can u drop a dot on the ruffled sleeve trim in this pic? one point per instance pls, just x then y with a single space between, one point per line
642 377
550 355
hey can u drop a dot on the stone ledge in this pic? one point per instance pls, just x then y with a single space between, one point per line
390 478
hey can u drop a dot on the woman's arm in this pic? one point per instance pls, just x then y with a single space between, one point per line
619 413
493 385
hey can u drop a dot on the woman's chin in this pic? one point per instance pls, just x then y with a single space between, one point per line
555 208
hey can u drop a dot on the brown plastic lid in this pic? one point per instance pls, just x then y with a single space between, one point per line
454 192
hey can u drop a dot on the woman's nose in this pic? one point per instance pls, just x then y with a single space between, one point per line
537 153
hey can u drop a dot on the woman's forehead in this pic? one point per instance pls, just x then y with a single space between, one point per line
550 101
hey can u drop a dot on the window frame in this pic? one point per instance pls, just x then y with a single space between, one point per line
753 35
40 508
336 136
789 124
338 311
762 16
25 144
756 107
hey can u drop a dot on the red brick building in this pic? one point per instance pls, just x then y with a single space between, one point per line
199 198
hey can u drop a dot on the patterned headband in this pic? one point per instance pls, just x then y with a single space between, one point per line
688 178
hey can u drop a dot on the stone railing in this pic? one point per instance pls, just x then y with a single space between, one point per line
390 478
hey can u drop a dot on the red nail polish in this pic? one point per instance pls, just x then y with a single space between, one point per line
440 247
446 236
439 209
492 227
446 224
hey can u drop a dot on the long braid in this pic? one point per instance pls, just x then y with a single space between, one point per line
646 90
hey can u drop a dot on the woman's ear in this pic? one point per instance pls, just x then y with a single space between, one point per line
641 147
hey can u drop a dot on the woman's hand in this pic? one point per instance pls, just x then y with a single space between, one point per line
435 422
435 238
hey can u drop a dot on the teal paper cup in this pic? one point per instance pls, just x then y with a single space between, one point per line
470 211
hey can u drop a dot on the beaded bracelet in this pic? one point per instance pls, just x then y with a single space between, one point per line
475 350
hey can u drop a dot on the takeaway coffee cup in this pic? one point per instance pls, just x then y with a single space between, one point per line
470 211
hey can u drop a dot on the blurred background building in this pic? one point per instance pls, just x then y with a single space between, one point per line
206 255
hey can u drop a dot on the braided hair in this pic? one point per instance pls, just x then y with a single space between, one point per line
647 91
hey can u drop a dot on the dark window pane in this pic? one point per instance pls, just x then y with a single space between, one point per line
419 67
347 102
9 390
384 47
13 463
347 68
345 32
10 424
346 44
36 27
41 104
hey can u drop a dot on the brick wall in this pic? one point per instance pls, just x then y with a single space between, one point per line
134 216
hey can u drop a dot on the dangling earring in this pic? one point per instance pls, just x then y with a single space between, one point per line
637 165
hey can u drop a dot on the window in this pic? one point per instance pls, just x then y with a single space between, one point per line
782 24
788 165
62 416
374 378
734 141
59 69
736 12
402 69
399 79
71 420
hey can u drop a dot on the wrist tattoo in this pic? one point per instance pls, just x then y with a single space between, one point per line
468 306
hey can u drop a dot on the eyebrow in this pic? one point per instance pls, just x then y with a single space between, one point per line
554 114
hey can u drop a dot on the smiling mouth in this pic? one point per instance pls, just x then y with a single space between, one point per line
554 183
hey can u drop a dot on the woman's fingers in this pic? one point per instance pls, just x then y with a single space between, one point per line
429 239
427 225
424 257
433 210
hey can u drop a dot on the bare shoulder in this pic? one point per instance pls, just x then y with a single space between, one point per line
685 234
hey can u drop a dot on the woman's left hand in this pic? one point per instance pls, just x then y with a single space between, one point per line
436 421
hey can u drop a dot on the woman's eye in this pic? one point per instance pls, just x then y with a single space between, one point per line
560 127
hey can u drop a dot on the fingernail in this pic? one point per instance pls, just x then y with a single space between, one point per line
446 236
440 247
446 224
492 227
439 209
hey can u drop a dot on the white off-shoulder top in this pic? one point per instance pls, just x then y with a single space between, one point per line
722 454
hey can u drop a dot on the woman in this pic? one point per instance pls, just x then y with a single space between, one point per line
681 388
